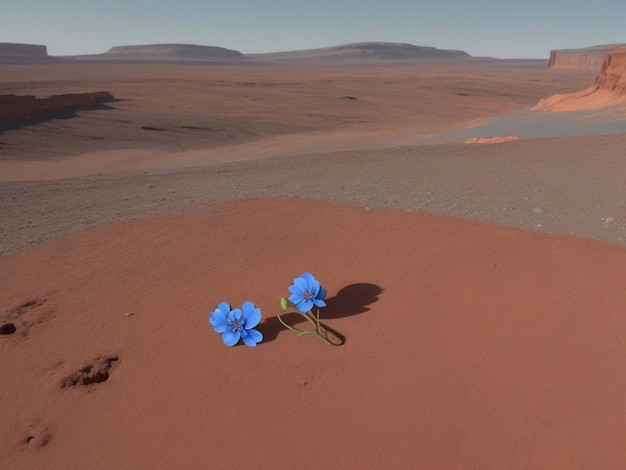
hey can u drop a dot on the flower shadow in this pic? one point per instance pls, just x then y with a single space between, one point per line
350 300
270 327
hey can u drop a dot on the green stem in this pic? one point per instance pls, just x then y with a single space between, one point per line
317 319
309 317
287 326
314 333
316 323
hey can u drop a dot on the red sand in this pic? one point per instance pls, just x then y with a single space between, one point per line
467 345
590 98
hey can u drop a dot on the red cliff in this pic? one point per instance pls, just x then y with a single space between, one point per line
590 58
613 74
609 88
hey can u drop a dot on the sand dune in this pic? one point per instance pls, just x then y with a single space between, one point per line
461 350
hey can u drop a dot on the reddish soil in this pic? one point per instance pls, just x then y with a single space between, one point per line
468 343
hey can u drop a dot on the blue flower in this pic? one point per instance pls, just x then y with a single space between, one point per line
237 323
306 292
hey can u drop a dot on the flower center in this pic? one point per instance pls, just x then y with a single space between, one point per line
236 325
308 295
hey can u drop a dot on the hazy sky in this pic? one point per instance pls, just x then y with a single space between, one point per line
495 28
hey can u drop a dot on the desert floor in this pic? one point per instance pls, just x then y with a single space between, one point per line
478 288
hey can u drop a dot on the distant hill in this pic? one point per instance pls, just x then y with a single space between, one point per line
22 53
170 52
584 58
367 50
9 49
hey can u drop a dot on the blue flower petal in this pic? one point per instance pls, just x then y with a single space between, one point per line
253 337
300 285
251 315
246 308
235 315
231 337
304 305
224 307
219 321
315 288
312 284
303 288
321 295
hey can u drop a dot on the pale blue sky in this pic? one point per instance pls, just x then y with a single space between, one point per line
495 28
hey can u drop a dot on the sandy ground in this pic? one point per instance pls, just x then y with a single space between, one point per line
468 344
183 107
572 185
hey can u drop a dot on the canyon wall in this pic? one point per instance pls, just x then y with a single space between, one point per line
14 108
613 73
589 58
609 88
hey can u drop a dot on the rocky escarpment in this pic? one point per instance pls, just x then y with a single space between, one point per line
22 53
8 49
368 50
171 52
609 88
613 74
15 108
589 58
